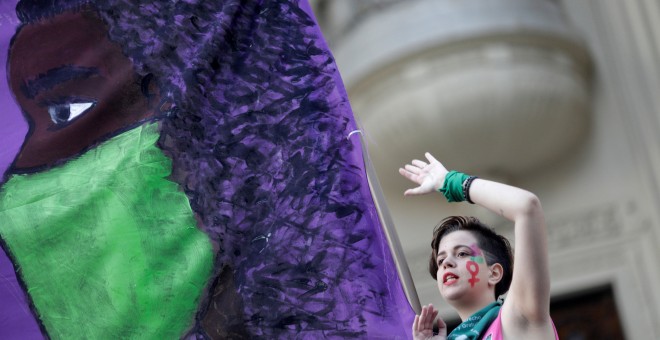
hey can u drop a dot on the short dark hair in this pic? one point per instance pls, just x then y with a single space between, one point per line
496 248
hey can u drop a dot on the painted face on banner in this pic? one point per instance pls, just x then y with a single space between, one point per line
245 213
75 87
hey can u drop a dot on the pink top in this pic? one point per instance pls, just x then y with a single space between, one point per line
494 332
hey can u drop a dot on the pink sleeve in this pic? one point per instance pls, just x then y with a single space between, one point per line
494 332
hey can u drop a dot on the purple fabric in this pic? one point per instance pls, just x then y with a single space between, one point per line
13 126
16 319
259 144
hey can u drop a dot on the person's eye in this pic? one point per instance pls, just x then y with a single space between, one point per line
463 254
62 114
440 262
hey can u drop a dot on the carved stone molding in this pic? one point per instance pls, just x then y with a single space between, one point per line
600 223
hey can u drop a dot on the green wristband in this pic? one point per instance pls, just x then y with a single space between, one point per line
452 188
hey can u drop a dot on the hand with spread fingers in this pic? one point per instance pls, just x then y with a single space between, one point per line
430 176
423 325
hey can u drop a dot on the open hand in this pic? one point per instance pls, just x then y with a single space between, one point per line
422 328
429 176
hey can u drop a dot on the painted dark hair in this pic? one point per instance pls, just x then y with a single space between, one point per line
258 143
35 10
496 248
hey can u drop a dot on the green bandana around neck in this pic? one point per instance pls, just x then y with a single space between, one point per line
477 323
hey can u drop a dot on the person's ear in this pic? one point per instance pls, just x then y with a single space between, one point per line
153 93
158 100
149 89
495 274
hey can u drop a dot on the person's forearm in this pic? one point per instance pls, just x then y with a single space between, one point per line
505 200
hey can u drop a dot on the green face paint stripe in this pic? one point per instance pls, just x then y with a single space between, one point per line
106 245
475 250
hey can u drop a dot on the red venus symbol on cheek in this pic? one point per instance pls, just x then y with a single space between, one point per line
473 268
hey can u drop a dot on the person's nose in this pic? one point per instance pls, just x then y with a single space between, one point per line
449 262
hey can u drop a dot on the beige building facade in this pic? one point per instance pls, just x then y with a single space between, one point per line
559 97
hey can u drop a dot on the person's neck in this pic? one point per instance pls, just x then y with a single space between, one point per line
468 308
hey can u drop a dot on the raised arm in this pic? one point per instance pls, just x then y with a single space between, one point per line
526 308
528 300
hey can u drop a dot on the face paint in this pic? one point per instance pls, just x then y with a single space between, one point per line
473 268
476 251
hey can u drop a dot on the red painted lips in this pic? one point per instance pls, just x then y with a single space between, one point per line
449 279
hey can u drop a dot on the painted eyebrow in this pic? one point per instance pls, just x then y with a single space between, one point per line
456 247
56 76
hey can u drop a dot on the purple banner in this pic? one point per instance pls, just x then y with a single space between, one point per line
253 119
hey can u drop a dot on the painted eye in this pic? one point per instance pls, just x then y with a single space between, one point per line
462 254
62 114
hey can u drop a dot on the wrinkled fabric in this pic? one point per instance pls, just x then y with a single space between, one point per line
106 244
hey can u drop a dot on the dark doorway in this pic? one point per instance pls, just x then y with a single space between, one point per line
587 315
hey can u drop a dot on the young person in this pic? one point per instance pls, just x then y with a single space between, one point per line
473 265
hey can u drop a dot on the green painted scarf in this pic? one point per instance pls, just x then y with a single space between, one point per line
106 244
477 323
